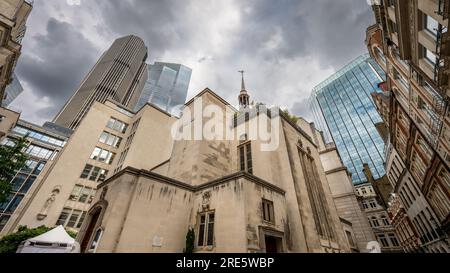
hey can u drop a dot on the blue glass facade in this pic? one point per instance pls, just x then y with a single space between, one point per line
166 87
13 90
345 111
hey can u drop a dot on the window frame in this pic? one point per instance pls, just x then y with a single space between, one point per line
205 237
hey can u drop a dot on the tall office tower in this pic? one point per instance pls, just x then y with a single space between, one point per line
118 75
13 90
166 87
344 110
410 41
13 17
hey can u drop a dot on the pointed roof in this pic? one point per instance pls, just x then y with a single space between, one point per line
57 235
243 82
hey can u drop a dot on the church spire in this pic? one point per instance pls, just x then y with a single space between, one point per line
244 98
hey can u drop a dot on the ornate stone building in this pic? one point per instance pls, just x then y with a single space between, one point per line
410 42
234 196
13 16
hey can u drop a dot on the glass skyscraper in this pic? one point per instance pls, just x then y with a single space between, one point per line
13 90
345 111
166 87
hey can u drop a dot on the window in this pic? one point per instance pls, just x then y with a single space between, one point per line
393 239
110 139
375 222
98 174
95 174
76 192
117 125
63 217
80 222
71 218
373 204
40 152
86 195
245 157
103 155
268 212
95 241
38 136
350 238
385 220
86 171
431 25
206 229
384 242
82 194
430 56
74 218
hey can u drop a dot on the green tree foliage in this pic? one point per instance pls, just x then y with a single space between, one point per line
11 242
190 241
12 158
292 118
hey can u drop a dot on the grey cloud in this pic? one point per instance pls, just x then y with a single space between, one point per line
56 63
271 34
301 109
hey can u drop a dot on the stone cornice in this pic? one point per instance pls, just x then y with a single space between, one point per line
185 186
340 169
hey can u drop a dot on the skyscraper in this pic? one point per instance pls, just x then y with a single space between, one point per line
13 90
344 110
166 87
118 75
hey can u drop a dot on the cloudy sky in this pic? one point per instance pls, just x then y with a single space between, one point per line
286 47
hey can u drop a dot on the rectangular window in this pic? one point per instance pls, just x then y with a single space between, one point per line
242 158
350 238
74 218
63 217
95 174
245 158
393 239
201 230
80 222
85 195
103 174
117 125
102 155
86 171
431 25
76 193
268 212
383 240
206 229
110 140
430 56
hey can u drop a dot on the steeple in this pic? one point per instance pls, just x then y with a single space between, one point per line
244 98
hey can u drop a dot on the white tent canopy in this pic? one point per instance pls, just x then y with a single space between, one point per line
55 241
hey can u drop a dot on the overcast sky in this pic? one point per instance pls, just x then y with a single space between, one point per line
286 47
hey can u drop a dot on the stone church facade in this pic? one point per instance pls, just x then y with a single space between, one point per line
234 196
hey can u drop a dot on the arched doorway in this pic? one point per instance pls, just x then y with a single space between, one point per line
89 231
